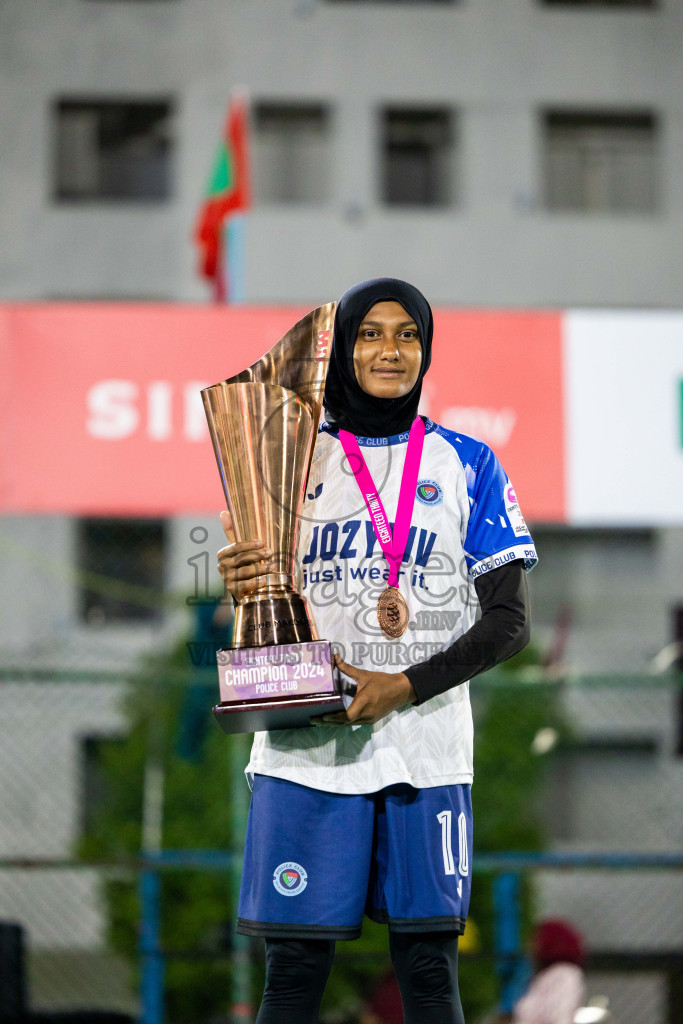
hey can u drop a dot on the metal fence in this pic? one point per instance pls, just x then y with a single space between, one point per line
122 807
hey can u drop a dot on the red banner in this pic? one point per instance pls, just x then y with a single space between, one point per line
101 413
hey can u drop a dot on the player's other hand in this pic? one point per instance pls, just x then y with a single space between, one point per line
378 694
241 561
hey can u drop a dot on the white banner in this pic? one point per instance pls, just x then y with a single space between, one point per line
624 417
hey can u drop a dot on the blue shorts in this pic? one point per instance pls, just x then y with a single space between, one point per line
315 862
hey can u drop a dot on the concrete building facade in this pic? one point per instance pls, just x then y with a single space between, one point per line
506 74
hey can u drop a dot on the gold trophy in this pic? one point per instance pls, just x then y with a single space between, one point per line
263 424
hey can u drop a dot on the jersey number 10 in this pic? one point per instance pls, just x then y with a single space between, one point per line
445 818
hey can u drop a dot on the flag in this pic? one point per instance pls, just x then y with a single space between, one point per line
227 197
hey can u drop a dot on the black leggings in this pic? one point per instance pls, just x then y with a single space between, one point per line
426 966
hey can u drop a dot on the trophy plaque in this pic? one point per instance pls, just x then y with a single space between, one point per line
263 424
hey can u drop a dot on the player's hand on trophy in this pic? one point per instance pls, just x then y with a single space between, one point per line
241 561
377 694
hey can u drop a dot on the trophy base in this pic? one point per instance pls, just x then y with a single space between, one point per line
272 619
266 715
278 687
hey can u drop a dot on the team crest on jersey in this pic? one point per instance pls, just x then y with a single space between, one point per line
514 513
290 878
428 492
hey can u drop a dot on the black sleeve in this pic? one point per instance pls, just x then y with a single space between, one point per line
502 631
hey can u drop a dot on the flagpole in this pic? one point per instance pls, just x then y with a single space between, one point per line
219 278
236 251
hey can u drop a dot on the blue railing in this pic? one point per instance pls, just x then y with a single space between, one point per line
512 965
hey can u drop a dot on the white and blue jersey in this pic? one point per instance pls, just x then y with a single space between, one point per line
466 521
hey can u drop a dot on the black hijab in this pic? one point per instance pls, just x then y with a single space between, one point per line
346 404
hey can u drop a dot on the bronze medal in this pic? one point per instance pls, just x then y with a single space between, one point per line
392 612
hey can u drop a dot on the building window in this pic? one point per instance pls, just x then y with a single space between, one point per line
417 157
292 152
414 3
110 149
95 786
585 610
599 3
121 564
601 162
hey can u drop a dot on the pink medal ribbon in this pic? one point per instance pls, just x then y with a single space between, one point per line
392 610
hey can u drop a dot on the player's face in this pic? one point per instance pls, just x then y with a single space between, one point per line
387 354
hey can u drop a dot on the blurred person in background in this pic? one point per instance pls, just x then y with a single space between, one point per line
558 987
384 1005
370 810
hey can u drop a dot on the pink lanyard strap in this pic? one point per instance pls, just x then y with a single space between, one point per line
393 546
